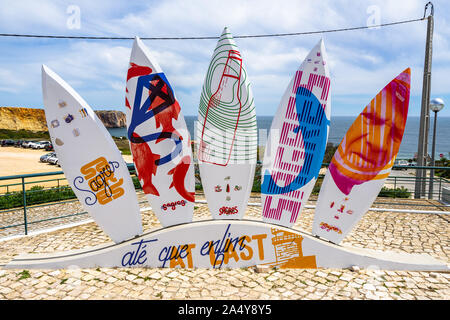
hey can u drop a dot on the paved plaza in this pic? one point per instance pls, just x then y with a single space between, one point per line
393 231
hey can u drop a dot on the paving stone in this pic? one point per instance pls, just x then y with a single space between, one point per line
401 232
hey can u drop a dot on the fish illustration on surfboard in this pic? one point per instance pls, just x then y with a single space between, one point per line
297 141
90 159
226 132
159 139
363 161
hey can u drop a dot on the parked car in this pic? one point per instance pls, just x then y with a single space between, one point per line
7 142
49 147
18 143
45 157
26 144
33 145
38 144
403 164
44 144
53 159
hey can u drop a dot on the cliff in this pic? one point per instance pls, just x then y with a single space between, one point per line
112 119
17 118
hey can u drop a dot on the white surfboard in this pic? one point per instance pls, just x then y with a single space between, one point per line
226 132
363 161
91 162
297 141
159 139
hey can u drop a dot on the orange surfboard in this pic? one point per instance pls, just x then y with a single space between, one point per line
363 161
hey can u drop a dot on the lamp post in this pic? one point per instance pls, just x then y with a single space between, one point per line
436 105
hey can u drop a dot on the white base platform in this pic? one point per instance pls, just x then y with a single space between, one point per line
235 244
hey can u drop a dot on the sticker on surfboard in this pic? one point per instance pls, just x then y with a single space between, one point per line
226 132
363 161
91 162
297 141
159 139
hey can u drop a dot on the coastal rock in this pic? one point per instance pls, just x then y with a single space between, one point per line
17 118
112 119
33 119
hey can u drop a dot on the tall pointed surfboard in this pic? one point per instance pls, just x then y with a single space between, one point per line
226 132
159 139
297 141
91 162
363 161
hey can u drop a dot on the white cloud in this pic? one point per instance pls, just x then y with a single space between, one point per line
361 62
30 16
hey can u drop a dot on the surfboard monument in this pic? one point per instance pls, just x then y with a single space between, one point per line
297 141
245 243
159 140
227 132
363 161
90 160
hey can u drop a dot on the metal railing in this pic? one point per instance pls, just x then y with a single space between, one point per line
20 193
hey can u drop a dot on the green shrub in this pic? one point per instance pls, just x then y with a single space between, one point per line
444 162
317 186
35 195
401 192
23 134
198 187
257 180
137 184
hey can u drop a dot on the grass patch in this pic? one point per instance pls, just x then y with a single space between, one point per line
123 145
25 274
24 134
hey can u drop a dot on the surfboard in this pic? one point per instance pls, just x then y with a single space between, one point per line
159 139
297 141
226 132
363 161
92 164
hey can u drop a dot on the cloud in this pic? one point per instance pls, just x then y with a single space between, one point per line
361 62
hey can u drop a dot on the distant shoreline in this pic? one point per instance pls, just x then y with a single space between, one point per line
339 125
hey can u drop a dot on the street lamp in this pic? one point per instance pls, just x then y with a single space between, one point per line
436 105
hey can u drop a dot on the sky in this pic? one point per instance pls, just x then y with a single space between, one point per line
361 62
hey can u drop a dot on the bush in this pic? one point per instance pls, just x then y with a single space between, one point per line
36 195
137 184
442 172
257 179
401 192
317 186
23 134
330 150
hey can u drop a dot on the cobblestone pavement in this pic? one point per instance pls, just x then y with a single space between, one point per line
393 231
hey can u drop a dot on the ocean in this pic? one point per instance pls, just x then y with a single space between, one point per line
340 125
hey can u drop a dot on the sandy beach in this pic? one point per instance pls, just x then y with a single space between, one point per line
14 161
19 161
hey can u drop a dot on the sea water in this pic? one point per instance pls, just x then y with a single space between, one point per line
340 125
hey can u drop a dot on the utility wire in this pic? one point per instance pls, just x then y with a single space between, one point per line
209 38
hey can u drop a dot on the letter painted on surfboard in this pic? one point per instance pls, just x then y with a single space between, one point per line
159 139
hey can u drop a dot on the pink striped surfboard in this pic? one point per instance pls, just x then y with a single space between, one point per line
297 141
